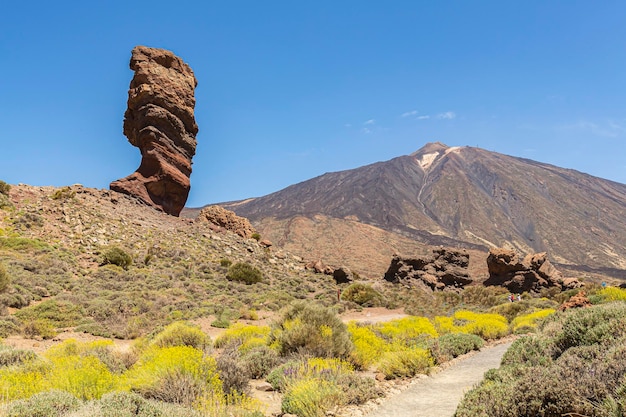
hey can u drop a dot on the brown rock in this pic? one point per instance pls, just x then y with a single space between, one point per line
226 219
343 275
265 243
160 122
532 273
445 269
579 300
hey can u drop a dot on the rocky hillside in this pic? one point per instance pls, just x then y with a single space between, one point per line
105 263
454 196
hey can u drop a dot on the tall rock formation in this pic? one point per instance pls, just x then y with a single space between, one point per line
160 122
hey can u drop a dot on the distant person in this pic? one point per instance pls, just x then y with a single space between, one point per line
519 297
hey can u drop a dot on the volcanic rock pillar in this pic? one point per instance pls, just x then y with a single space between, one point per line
160 122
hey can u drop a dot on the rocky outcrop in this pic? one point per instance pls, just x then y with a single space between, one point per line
444 269
579 300
343 275
221 218
532 273
160 122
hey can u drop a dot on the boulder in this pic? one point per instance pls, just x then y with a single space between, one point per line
444 269
221 218
160 121
343 275
579 300
532 273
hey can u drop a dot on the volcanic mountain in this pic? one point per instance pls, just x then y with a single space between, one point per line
456 196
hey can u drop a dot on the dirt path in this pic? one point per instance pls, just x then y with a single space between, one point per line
439 394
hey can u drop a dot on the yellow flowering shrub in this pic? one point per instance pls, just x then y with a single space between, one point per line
85 377
368 347
612 294
311 397
407 362
159 363
182 334
485 325
244 334
528 322
23 381
407 328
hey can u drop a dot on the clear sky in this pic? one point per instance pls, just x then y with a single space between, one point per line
289 90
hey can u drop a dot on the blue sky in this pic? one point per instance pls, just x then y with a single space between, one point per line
289 90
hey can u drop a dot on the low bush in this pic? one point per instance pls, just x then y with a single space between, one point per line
485 325
64 193
311 329
362 294
528 322
5 278
311 397
4 188
179 374
244 272
243 335
233 373
574 365
58 313
449 346
116 256
9 325
407 329
182 334
368 346
259 361
39 328
54 403
10 356
405 363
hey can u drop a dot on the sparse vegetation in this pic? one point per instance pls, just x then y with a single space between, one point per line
5 278
312 329
362 294
116 256
573 366
244 272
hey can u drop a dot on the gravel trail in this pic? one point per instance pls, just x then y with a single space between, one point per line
438 395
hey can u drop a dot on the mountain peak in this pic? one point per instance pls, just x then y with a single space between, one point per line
430 148
430 152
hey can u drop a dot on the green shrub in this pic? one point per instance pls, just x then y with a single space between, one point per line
311 329
244 272
233 373
8 326
259 361
10 356
58 313
362 294
39 328
182 334
64 193
53 403
311 397
4 188
5 278
533 350
451 345
126 404
225 262
116 256
405 363
358 389
256 236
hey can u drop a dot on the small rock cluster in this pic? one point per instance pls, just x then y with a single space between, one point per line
444 269
220 218
341 275
532 273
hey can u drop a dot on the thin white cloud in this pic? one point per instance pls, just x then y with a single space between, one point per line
610 129
369 122
449 115
409 113
423 117
366 130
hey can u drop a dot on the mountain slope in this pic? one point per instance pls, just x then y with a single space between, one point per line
465 196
